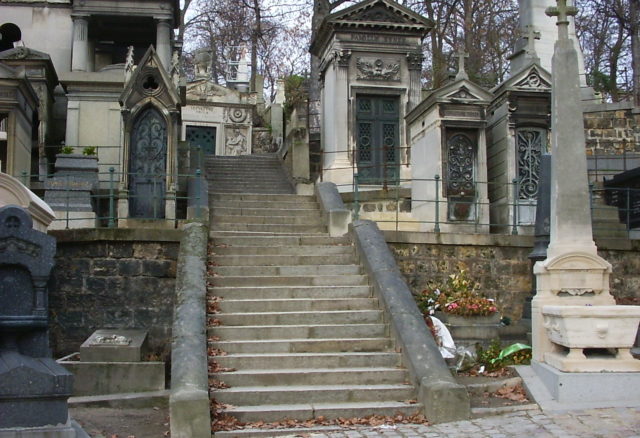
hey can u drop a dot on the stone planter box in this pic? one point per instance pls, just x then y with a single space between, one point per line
78 165
598 327
470 329
592 326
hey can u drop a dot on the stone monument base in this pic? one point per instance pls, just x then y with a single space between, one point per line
69 430
553 389
77 219
577 363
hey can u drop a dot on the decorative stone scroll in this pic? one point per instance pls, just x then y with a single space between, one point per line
377 69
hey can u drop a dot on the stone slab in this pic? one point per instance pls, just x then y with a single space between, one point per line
555 390
96 378
115 345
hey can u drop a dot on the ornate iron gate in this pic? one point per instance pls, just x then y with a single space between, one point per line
147 166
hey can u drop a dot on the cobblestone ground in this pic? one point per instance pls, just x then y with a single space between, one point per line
609 423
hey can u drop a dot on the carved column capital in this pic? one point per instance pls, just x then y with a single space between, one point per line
414 60
342 57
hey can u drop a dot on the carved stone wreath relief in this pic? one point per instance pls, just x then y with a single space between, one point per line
377 69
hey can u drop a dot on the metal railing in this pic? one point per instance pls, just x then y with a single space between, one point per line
77 197
494 207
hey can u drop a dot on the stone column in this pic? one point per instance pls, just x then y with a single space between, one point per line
533 18
414 61
80 48
342 110
163 42
573 273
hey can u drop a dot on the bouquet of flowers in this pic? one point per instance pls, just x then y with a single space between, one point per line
458 296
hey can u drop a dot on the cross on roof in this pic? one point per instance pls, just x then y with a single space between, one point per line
462 73
531 35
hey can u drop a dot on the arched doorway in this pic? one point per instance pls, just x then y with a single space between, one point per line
147 165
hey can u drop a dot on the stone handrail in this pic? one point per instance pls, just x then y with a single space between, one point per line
337 216
442 397
189 400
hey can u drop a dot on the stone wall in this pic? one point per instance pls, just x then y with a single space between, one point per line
115 278
498 262
612 129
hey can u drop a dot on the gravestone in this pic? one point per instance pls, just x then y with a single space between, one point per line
33 387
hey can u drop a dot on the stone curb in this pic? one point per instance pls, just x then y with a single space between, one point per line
337 216
189 399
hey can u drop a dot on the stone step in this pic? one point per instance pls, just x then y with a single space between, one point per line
298 199
246 333
270 413
219 210
282 260
265 293
291 280
299 318
297 305
309 360
234 271
271 228
313 376
268 252
309 219
292 394
291 205
304 345
232 189
227 240
249 184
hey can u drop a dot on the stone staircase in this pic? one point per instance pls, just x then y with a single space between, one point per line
298 324
246 174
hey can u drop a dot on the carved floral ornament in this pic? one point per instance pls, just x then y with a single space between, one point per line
533 80
377 69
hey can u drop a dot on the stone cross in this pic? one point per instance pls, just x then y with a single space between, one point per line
462 73
563 12
531 35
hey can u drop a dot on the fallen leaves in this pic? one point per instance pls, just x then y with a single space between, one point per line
514 393
225 422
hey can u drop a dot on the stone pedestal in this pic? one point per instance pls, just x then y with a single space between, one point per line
69 191
111 362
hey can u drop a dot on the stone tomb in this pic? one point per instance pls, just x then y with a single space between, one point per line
112 362
33 387
449 155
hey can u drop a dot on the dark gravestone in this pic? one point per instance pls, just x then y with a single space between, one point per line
33 387
542 229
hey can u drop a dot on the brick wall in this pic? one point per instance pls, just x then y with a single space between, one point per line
113 279
499 263
611 130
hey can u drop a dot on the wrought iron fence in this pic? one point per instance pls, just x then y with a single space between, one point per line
489 207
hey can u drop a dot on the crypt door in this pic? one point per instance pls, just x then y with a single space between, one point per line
203 137
147 165
377 139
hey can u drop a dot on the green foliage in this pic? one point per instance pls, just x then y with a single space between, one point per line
603 83
89 150
66 150
294 93
494 357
